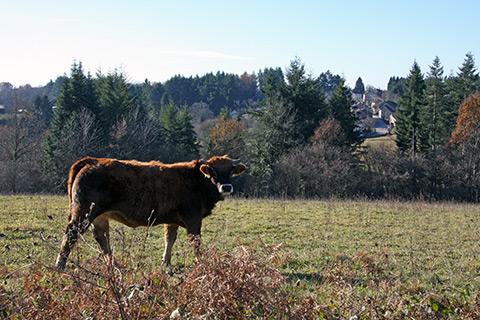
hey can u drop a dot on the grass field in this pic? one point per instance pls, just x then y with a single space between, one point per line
333 259
386 141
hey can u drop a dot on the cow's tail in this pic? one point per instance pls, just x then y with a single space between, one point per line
75 169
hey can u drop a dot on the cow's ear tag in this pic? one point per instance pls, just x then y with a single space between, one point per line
205 170
238 169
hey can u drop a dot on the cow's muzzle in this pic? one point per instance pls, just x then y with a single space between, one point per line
225 189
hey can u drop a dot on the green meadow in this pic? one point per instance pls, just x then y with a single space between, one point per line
335 259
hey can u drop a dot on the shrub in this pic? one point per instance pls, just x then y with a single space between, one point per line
316 171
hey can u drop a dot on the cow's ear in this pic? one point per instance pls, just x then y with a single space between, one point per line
206 170
238 169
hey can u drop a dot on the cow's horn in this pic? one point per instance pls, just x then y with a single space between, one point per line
235 161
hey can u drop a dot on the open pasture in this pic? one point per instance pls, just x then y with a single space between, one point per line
332 259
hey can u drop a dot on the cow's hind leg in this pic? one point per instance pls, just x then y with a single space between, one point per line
78 225
171 231
101 228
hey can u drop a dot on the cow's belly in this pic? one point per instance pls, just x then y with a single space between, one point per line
123 218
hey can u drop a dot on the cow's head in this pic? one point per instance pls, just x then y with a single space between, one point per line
220 171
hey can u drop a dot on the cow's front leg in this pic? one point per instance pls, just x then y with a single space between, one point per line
170 237
194 227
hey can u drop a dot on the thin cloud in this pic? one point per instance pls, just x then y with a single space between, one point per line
61 20
204 54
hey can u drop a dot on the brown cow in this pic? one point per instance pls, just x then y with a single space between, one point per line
142 194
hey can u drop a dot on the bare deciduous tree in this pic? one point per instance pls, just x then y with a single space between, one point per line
81 137
135 136
20 140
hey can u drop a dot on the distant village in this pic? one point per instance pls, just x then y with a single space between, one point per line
377 116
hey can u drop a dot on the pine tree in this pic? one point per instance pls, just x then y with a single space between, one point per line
177 131
395 87
288 116
467 79
148 94
340 108
75 129
42 110
276 135
328 82
359 86
114 98
461 86
187 139
77 92
436 116
411 103
276 74
168 120
304 94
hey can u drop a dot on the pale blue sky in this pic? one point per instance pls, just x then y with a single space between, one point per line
159 39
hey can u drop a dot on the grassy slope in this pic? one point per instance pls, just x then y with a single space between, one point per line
419 247
386 141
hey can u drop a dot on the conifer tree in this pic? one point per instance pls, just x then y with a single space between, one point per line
42 110
114 98
187 141
340 108
436 116
304 94
359 86
411 103
177 131
77 92
276 134
328 82
276 74
461 86
467 79
148 94
75 129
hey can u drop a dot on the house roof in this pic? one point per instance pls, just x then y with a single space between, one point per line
390 105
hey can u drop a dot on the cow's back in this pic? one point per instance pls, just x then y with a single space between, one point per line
140 191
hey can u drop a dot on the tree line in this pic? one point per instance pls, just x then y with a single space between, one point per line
438 130
297 133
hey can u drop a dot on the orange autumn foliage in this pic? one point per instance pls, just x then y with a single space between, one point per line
329 131
468 121
227 136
